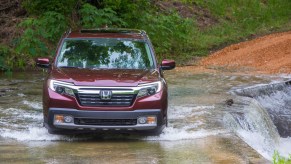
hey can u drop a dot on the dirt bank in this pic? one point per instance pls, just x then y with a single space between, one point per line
268 54
11 13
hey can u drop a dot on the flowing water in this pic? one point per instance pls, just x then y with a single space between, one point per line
213 118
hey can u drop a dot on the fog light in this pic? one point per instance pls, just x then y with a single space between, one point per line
151 120
147 120
59 118
68 119
142 120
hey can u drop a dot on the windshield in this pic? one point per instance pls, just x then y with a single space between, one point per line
105 54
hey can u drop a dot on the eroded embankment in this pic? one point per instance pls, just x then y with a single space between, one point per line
268 55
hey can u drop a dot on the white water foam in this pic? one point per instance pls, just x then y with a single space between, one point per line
287 76
284 148
188 130
31 134
175 134
19 114
21 95
23 125
258 142
38 133
34 105
181 112
33 131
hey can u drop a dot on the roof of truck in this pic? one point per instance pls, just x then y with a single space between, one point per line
107 33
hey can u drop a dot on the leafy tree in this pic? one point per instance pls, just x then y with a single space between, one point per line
91 17
172 35
40 32
38 7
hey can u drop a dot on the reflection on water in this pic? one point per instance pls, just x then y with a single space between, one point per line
196 131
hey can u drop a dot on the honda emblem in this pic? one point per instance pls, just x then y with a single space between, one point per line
105 94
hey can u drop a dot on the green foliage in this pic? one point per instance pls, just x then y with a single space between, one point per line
40 33
4 52
91 17
29 43
277 159
10 59
132 12
251 15
172 35
51 25
238 20
38 7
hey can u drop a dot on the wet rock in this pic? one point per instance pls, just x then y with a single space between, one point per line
229 102
13 83
4 90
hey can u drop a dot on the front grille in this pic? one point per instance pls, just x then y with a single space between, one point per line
105 122
94 100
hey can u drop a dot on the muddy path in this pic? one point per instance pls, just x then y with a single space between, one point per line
269 54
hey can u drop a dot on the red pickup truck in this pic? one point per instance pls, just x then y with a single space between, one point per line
105 80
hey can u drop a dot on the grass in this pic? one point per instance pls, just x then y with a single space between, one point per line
239 20
278 159
173 36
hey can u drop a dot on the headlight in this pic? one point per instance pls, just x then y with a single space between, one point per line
61 87
149 89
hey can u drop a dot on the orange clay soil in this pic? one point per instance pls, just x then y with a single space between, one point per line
267 55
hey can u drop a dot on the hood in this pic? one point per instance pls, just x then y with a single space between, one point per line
105 77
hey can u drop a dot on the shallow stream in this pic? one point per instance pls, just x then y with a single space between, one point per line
212 119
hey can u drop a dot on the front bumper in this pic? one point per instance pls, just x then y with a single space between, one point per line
110 115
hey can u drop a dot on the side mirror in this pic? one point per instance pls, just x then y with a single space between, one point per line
168 64
43 62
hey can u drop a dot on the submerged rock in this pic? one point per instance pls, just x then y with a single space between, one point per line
229 102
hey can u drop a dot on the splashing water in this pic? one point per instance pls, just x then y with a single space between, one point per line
258 117
195 114
253 124
33 105
27 125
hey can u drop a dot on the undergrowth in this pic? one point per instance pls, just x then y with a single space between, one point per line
173 35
